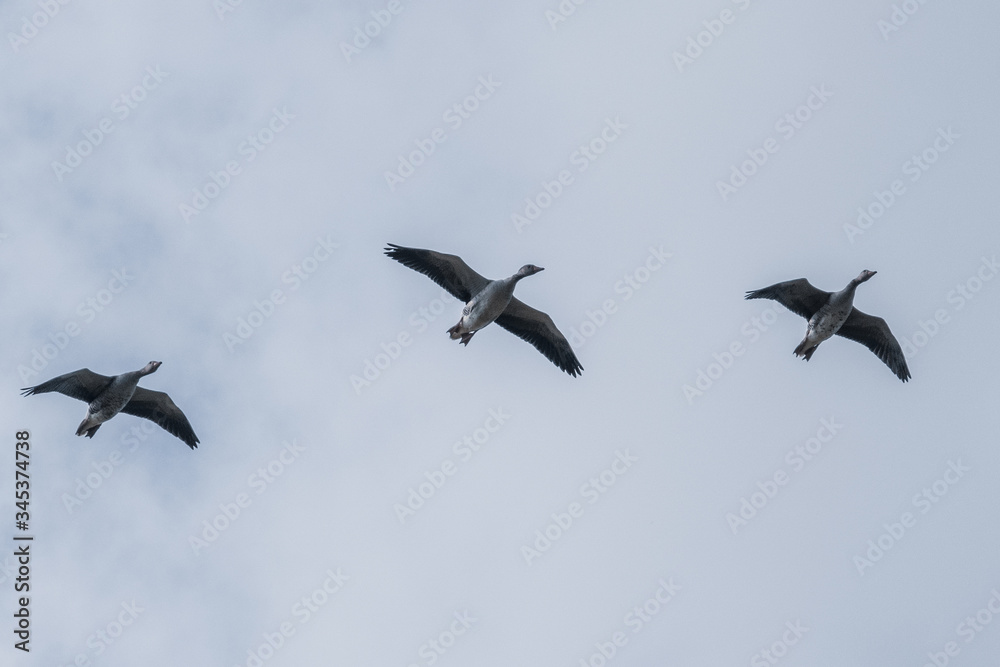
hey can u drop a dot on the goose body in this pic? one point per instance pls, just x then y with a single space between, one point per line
488 304
488 301
833 313
107 396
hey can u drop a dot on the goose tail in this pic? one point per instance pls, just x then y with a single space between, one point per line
805 349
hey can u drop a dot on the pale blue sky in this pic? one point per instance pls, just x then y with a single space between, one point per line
171 172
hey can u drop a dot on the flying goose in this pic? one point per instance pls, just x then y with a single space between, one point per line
488 301
107 396
834 313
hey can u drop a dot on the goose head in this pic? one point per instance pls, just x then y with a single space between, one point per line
528 270
865 275
150 367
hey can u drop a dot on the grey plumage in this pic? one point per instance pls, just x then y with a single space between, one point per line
833 313
489 301
107 396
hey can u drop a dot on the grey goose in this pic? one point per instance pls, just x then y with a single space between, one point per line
489 301
832 313
107 396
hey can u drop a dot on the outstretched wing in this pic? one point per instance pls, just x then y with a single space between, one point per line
873 333
83 384
448 271
157 407
538 329
797 296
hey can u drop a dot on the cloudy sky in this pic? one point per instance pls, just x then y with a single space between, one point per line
211 184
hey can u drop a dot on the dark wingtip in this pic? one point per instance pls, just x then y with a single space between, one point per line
575 370
27 391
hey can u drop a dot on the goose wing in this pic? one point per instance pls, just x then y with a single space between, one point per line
448 271
157 407
797 296
873 333
538 329
83 384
